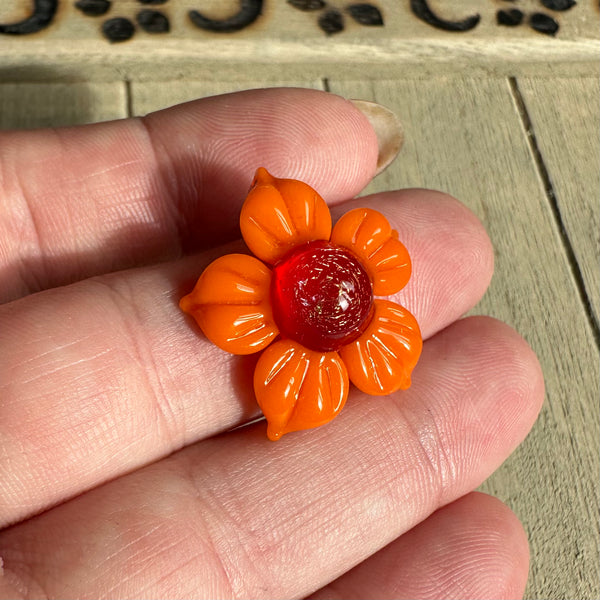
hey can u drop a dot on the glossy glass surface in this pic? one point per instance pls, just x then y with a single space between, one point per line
297 388
321 296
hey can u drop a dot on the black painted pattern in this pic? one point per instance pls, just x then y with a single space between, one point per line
93 8
365 14
509 18
538 21
331 20
332 16
421 9
41 17
121 29
153 21
249 11
307 5
559 5
118 29
543 23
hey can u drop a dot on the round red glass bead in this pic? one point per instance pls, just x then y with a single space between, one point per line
321 296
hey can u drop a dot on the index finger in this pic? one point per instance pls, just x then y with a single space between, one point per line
86 200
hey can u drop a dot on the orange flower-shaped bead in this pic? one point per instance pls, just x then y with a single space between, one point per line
309 295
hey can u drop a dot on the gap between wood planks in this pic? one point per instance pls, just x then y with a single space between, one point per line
551 196
128 99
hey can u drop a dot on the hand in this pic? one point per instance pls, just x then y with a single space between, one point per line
115 411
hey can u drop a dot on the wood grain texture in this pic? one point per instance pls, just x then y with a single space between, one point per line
565 119
466 137
31 105
284 38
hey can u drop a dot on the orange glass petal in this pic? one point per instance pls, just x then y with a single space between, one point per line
368 234
381 360
297 388
231 304
280 214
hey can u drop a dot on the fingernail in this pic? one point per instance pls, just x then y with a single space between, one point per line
388 130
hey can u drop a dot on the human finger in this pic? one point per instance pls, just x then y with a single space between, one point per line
474 547
105 375
238 516
81 201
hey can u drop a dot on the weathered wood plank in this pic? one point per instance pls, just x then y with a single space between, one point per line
30 105
565 116
466 137
148 97
395 40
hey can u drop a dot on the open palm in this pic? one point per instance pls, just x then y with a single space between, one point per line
121 471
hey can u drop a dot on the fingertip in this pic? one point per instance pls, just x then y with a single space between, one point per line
488 394
513 366
474 547
464 275
500 364
498 545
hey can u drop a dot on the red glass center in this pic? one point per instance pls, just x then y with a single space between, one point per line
321 296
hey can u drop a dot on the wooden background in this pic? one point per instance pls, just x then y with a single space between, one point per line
505 118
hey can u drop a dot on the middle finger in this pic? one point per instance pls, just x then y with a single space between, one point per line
105 375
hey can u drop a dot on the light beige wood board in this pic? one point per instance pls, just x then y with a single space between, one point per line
30 105
565 119
467 138
147 97
284 39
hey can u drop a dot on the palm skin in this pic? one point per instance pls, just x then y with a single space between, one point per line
121 471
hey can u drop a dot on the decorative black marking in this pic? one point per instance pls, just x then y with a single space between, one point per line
559 5
543 23
153 21
249 11
365 14
93 8
331 21
152 1
118 29
510 18
421 10
43 13
307 5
